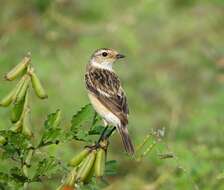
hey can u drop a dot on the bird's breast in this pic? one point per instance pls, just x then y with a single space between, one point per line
103 111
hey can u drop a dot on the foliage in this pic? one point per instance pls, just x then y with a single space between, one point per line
18 144
172 74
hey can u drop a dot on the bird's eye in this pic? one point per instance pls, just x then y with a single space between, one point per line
104 54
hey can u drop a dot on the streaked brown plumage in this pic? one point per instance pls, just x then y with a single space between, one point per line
106 93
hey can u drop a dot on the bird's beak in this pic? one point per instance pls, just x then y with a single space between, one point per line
119 56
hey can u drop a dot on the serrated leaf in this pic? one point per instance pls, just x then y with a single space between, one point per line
82 135
16 143
52 134
46 167
4 177
17 139
82 122
96 130
4 181
94 184
53 120
18 175
9 152
111 168
85 115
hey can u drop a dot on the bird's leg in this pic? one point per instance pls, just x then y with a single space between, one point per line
109 134
102 136
105 135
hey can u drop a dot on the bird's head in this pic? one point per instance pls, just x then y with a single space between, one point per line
104 58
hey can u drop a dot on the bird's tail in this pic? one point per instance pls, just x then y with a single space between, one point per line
123 130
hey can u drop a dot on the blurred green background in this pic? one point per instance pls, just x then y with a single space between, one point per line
172 76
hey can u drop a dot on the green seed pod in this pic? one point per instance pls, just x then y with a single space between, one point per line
7 100
2 140
77 159
86 166
90 175
17 127
70 179
17 110
22 92
99 165
37 86
27 162
27 123
18 87
13 94
18 69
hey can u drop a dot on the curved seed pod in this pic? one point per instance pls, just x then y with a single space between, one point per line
37 86
90 175
17 110
29 157
70 180
86 166
26 123
18 87
18 69
13 94
7 100
17 127
25 170
22 92
27 162
2 140
99 165
77 159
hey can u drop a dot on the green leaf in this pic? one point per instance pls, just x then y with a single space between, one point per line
9 152
94 184
8 182
111 168
53 120
83 117
52 134
82 122
16 144
18 175
4 181
47 167
17 139
82 135
96 130
4 177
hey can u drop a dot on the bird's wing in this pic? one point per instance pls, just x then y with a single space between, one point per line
106 86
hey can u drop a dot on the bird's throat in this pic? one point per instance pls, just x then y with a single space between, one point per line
103 65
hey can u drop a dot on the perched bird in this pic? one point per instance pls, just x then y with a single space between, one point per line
106 94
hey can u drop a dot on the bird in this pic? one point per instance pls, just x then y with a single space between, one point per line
106 93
